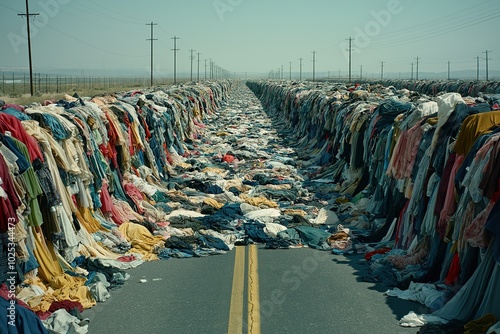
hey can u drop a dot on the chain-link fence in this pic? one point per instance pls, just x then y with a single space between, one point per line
16 84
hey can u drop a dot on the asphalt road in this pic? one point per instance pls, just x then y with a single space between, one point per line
299 291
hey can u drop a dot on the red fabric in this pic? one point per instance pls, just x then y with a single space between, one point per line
12 124
135 194
454 271
400 220
4 293
68 305
106 201
13 106
43 315
9 205
127 258
228 158
369 255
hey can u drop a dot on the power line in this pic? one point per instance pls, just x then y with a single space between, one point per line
175 38
350 51
12 9
486 58
300 69
28 15
152 40
198 76
417 66
477 68
314 65
88 44
206 69
191 58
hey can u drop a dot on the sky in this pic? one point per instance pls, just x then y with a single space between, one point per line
251 37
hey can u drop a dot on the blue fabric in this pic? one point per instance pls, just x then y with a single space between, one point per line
22 162
17 114
26 322
314 237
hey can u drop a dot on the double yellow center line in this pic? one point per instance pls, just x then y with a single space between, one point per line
236 308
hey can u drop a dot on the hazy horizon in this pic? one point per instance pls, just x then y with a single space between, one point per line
249 37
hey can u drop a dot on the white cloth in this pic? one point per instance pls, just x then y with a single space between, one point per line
424 293
326 217
272 229
62 322
263 213
414 320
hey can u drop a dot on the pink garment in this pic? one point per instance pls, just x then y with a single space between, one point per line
135 194
450 201
474 233
122 212
405 152
106 201
14 125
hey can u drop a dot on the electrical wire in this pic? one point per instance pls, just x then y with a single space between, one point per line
90 45
96 12
109 27
12 9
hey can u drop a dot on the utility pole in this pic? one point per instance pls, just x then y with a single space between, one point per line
152 40
290 71
198 76
206 69
282 76
448 70
417 66
477 68
361 72
300 69
28 16
412 71
192 58
314 65
486 52
350 51
211 69
382 70
175 38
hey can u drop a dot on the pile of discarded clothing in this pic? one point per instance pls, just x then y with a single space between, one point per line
433 87
414 178
85 194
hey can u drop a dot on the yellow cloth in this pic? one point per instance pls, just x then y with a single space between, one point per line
84 216
295 212
213 203
142 241
258 201
65 287
473 127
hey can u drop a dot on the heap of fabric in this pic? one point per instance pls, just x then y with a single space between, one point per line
84 192
412 175
432 87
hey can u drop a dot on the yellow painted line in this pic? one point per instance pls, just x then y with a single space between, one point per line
253 291
236 308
